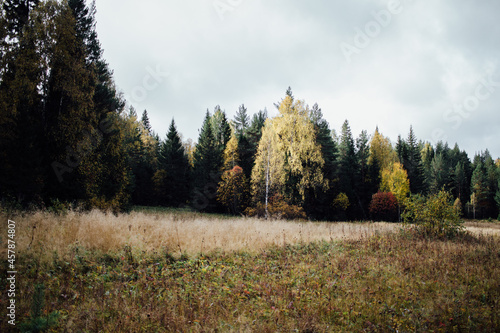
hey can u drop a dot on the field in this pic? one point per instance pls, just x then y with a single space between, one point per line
167 271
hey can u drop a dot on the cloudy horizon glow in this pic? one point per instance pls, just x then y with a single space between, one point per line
391 64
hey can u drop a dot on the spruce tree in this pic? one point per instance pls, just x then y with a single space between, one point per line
479 189
348 169
207 168
411 158
22 171
109 153
145 122
318 202
364 186
17 14
241 121
174 186
248 144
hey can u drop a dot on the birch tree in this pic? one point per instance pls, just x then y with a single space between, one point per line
267 174
288 159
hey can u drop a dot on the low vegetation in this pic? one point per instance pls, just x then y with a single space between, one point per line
163 271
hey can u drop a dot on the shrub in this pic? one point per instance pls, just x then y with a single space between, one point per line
435 216
384 207
59 208
277 208
341 202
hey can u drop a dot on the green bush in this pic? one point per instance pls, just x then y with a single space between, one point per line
435 216
58 207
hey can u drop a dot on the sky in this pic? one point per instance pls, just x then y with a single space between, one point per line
434 65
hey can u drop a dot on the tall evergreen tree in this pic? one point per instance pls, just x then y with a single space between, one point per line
145 122
22 171
416 171
364 185
402 150
348 170
207 162
318 203
248 144
17 14
220 128
480 191
439 175
70 112
241 121
109 153
173 177
427 154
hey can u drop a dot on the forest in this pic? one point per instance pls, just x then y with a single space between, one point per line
69 138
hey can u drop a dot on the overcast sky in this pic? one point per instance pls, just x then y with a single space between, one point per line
431 64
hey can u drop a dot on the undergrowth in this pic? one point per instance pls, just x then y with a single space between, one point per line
384 283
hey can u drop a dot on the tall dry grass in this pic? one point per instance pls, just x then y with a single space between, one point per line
177 233
189 233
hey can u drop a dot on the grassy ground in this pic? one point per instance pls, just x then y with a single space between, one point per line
171 271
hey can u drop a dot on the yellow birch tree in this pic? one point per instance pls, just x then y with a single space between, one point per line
288 156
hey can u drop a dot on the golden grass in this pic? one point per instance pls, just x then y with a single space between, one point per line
187 233
178 233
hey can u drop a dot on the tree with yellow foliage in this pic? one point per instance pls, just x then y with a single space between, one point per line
288 159
231 153
381 151
395 180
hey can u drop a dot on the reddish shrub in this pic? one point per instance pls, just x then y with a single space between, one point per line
384 207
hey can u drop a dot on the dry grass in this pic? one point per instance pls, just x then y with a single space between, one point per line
483 228
177 233
388 282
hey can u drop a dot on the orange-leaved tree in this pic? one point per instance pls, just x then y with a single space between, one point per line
233 191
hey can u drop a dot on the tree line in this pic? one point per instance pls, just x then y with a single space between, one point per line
67 135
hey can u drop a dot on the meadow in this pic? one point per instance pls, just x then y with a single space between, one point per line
173 270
